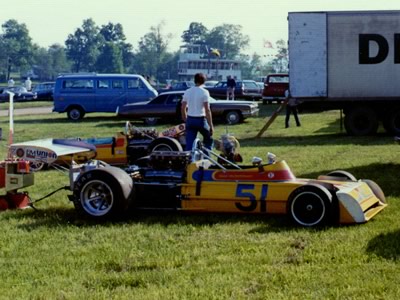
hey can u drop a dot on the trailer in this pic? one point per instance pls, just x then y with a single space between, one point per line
350 61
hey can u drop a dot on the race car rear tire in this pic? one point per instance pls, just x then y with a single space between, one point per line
342 174
310 205
99 195
164 144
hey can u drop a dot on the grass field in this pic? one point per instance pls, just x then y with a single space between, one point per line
50 253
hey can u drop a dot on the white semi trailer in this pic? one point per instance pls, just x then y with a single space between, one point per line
351 61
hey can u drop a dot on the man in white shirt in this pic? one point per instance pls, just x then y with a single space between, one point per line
11 82
28 84
196 113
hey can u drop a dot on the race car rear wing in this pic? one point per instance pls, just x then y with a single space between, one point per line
48 150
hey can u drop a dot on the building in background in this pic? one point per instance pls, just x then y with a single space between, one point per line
199 59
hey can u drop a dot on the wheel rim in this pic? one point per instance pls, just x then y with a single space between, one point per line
97 198
232 118
308 209
75 114
36 166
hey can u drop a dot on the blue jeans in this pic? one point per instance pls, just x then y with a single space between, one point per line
195 125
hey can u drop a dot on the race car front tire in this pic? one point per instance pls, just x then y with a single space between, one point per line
310 205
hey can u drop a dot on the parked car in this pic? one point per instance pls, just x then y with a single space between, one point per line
178 86
78 94
44 91
167 106
210 83
245 89
275 86
21 94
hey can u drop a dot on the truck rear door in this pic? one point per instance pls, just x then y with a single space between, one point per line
308 47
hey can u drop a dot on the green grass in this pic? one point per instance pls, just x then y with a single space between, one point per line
53 254
4 106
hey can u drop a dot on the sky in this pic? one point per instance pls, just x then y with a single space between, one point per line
51 21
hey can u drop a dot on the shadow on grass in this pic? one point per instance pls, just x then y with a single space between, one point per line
385 175
65 217
386 245
112 119
316 140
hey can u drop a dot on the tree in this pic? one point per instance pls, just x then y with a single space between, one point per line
114 33
49 63
59 60
196 34
169 68
16 46
110 59
152 51
83 47
228 39
281 60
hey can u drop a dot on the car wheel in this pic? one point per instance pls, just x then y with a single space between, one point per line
75 113
164 144
36 166
151 121
361 121
342 174
310 205
392 122
375 189
99 195
232 117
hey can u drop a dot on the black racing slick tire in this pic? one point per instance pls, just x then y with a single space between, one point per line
310 206
343 175
164 144
100 195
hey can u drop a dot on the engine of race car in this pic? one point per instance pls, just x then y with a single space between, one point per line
169 160
161 167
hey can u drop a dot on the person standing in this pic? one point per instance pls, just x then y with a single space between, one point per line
230 90
11 82
196 113
28 84
291 107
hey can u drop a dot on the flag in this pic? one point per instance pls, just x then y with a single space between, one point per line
215 52
268 45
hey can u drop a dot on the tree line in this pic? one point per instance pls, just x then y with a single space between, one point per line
104 49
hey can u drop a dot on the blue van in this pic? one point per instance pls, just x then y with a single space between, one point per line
79 94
